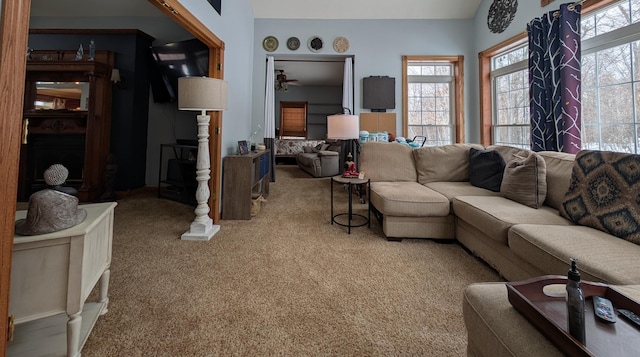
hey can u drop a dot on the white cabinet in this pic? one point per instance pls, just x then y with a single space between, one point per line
52 276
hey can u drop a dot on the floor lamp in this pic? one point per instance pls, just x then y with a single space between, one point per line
344 127
202 93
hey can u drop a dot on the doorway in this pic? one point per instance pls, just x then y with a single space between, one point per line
316 80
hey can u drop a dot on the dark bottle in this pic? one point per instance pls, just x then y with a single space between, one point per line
575 304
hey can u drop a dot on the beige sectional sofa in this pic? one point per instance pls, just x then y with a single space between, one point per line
426 193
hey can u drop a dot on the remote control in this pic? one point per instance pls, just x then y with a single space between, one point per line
603 309
630 316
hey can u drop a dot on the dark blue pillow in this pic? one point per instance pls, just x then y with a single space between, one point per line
486 168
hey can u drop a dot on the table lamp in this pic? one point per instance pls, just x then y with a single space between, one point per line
344 127
202 93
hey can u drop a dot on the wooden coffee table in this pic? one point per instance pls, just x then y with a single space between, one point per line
351 182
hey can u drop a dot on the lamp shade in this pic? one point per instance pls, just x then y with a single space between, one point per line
115 75
202 93
343 126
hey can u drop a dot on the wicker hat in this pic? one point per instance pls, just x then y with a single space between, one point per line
56 175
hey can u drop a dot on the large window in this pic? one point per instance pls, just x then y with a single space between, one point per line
510 84
611 78
432 99
610 82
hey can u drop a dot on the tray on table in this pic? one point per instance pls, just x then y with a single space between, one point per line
548 313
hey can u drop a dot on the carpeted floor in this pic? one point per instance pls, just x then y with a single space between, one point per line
286 283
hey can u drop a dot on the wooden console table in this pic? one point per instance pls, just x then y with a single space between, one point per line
52 276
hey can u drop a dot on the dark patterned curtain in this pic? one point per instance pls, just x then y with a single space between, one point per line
554 80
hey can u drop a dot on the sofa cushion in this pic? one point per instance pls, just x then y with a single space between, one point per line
409 199
496 329
559 166
507 152
455 189
605 193
486 168
494 215
387 162
601 256
443 163
525 179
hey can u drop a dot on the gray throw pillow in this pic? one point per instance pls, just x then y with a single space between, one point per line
486 168
525 179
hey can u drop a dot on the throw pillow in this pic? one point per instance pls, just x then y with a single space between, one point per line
525 179
443 163
309 149
486 168
324 147
604 193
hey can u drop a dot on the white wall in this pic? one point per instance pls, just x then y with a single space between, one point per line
377 46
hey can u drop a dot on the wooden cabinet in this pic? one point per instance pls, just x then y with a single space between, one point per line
378 122
66 120
244 176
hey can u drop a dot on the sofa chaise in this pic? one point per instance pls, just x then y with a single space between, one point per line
529 225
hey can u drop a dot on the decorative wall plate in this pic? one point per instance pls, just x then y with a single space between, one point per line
315 44
501 13
340 44
270 43
293 43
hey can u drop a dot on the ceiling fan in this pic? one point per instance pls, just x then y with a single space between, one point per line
282 82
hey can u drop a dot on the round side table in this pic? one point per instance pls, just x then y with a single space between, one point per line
351 182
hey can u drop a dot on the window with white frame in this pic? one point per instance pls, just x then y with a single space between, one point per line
611 77
510 94
610 83
431 101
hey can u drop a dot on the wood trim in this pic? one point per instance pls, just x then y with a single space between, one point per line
174 10
484 61
14 34
587 5
405 98
458 71
459 98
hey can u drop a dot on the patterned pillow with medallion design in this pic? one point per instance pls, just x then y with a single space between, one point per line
604 193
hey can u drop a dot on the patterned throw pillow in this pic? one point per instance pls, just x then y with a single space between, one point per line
604 193
525 179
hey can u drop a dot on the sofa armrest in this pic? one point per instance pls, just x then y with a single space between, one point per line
328 153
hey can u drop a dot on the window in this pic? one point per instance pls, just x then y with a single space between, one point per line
432 92
293 119
510 85
611 78
610 82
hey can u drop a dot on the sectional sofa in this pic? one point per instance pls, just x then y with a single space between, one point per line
525 219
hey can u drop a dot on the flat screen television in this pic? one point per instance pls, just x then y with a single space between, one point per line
179 59
379 93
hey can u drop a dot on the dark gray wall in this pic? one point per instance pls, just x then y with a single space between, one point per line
130 109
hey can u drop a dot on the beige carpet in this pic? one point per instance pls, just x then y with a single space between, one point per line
286 283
